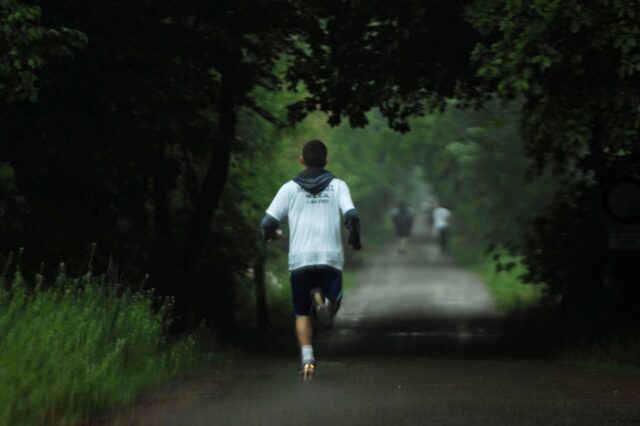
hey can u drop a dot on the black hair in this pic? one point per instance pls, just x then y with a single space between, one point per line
314 154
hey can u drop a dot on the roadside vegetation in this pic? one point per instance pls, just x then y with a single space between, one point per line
80 346
507 287
503 275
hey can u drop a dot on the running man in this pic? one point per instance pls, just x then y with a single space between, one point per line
312 202
441 217
403 221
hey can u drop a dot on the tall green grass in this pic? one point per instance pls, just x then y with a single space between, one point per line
81 346
509 291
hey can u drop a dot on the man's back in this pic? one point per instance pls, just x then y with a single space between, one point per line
314 222
441 217
403 220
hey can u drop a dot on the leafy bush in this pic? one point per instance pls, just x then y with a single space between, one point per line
506 286
504 278
81 346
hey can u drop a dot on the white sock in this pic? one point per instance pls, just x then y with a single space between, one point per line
307 354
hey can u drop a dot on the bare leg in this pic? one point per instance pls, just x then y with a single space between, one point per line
303 330
304 333
402 244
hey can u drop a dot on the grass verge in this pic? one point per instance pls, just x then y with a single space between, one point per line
81 346
510 293
507 288
533 320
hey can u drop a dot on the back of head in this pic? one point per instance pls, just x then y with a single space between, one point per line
314 154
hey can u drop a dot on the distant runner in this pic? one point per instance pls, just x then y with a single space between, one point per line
441 217
403 221
313 201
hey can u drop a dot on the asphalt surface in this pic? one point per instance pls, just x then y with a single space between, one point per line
418 341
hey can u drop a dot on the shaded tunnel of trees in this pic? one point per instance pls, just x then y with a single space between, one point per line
160 130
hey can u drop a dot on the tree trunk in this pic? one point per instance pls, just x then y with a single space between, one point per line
261 289
161 263
208 198
596 153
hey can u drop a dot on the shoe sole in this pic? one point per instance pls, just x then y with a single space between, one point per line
320 309
323 316
308 371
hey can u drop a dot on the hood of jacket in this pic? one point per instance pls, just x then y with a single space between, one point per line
314 180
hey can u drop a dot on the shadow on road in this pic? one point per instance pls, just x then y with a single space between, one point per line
418 341
423 304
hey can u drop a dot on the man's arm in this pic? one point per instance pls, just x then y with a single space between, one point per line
351 218
277 210
270 227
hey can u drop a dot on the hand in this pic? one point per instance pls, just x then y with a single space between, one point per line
277 235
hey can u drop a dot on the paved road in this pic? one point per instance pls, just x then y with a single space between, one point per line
417 342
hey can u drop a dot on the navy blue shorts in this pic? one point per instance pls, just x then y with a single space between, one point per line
303 280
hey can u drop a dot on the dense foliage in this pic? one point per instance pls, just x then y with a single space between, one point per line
576 64
403 58
477 167
159 131
578 67
130 143
25 46
163 141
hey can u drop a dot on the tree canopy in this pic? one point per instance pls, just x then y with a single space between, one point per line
149 127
